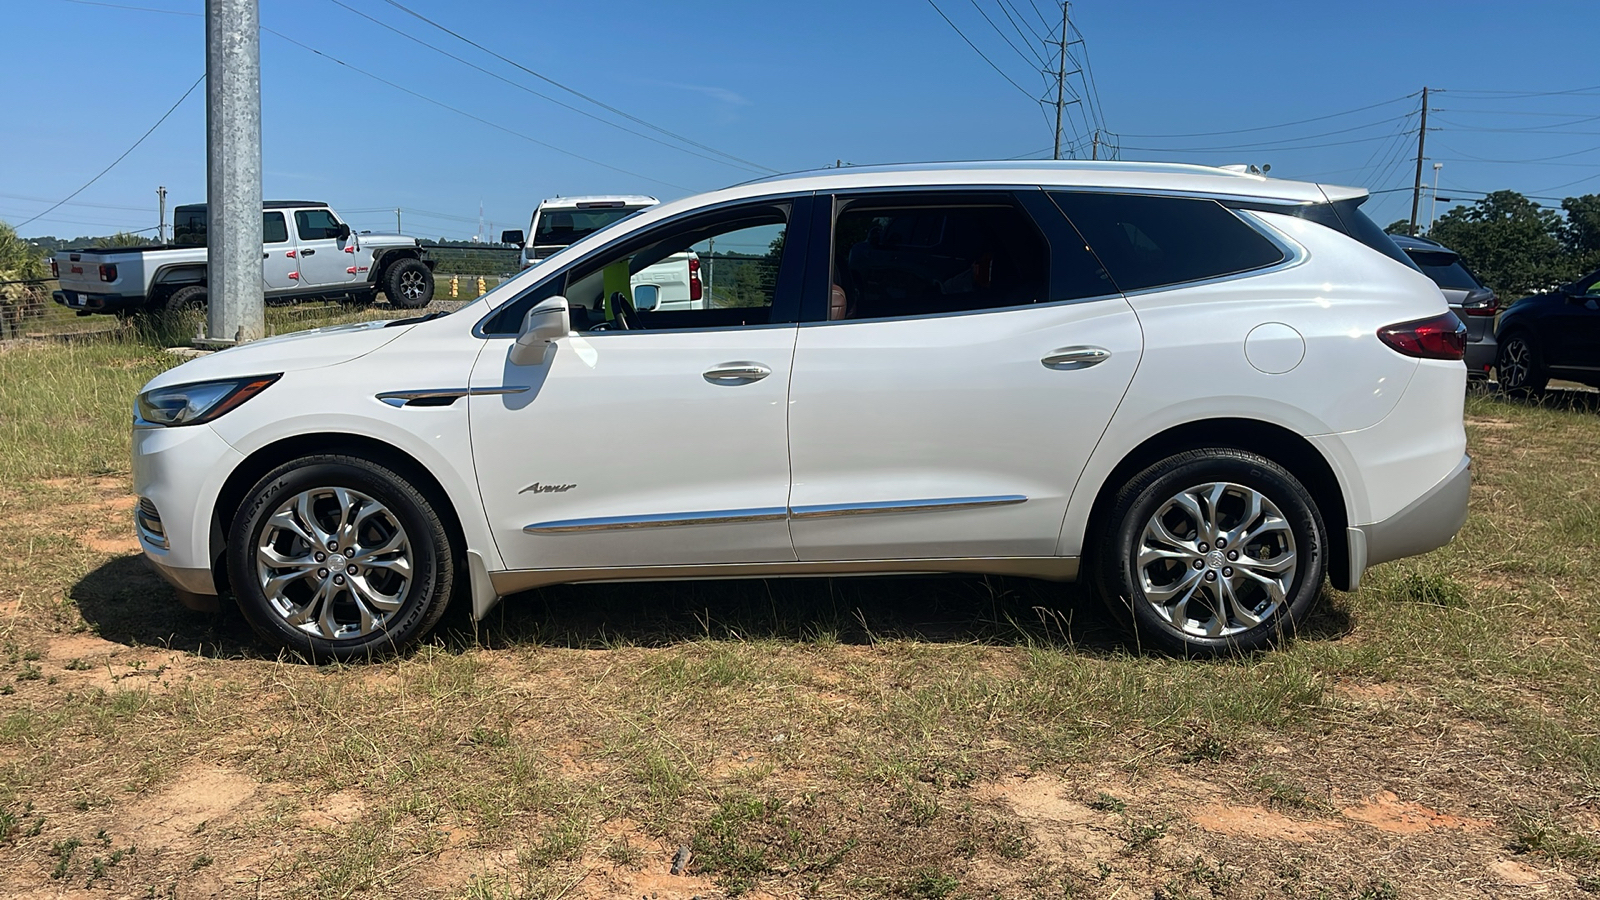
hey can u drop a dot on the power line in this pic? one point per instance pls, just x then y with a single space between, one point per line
1532 129
576 93
1094 89
1280 125
125 153
79 203
1007 9
1538 159
1025 60
1306 137
522 87
969 44
170 12
1509 95
468 115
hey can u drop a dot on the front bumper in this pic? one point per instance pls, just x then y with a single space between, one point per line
1427 523
96 303
179 472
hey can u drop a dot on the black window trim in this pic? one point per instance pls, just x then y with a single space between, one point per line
279 213
800 205
1242 208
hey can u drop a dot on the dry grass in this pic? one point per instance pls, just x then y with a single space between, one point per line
1433 735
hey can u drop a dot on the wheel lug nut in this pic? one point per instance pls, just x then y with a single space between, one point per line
338 579
1227 571
1199 564
1211 576
321 556
322 573
352 570
333 545
349 552
1204 547
1222 542
1233 555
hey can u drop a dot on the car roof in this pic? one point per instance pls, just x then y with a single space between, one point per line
575 202
269 204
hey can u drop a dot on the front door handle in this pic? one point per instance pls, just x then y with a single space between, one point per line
1067 358
737 373
307 252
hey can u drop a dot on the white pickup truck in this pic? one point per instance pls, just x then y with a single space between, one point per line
674 283
307 252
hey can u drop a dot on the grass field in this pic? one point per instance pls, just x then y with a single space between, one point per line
1435 735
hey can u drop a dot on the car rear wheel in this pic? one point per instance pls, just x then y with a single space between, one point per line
338 557
1519 367
184 300
1211 551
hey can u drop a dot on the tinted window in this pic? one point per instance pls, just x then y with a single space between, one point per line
560 227
1347 218
1148 242
1445 269
894 258
189 227
273 229
315 224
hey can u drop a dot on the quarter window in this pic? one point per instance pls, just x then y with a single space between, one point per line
893 257
316 224
1148 242
273 229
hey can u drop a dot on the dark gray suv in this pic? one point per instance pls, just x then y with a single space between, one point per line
1473 302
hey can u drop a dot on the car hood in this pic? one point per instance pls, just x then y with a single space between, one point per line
301 350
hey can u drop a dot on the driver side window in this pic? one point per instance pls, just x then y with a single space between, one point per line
719 270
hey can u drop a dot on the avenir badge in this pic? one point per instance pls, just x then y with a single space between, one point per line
538 488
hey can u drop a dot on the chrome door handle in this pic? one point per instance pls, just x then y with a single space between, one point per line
737 373
1067 358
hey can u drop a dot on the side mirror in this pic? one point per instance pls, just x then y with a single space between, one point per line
512 237
646 296
540 328
344 231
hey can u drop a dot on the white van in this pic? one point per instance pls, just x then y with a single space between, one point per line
673 283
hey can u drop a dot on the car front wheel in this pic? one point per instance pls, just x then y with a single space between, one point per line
1518 367
338 557
1212 551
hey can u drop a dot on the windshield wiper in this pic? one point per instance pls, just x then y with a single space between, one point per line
415 319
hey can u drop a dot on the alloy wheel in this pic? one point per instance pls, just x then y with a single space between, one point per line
1516 363
1216 559
411 285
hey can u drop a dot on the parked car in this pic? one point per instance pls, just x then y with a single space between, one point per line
1552 335
318 257
1473 302
560 221
1204 392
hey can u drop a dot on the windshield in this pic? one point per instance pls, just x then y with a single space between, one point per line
560 227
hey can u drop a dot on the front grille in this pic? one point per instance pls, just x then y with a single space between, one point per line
148 520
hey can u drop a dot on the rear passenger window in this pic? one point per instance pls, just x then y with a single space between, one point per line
1148 242
273 230
897 258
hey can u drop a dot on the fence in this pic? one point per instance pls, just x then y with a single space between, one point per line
21 301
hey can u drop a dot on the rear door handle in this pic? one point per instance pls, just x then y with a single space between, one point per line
1066 358
307 252
737 373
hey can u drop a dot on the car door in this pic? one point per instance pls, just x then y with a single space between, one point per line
280 268
663 444
948 390
1574 330
323 260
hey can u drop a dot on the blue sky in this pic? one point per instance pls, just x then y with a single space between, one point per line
786 86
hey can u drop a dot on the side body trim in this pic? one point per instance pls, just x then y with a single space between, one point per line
1051 568
442 396
902 506
664 520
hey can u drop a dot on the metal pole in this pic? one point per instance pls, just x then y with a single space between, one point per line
233 170
1422 136
397 221
161 223
1433 202
1061 78
1094 152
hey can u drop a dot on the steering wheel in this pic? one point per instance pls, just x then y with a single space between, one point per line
622 312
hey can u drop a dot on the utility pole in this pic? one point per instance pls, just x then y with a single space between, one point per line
233 170
1094 152
1061 76
1422 137
1433 202
161 223
397 221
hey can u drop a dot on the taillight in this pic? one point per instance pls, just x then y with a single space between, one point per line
108 272
55 270
695 291
1437 337
1480 302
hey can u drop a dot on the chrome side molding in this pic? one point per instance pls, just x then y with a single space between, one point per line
442 396
826 510
1050 568
664 520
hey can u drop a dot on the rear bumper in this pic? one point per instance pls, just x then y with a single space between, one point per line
1427 523
1480 356
96 302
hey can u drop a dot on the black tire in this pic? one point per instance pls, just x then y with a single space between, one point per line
183 300
1518 366
408 283
388 504
1122 583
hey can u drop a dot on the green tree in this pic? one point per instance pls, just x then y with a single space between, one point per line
19 259
121 239
1398 226
1581 236
1512 243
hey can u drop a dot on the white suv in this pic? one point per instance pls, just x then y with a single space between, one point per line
1205 391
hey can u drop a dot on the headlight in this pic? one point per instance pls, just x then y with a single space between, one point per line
192 404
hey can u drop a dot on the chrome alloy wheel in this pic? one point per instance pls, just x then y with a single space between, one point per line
411 285
1216 559
334 563
1516 363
